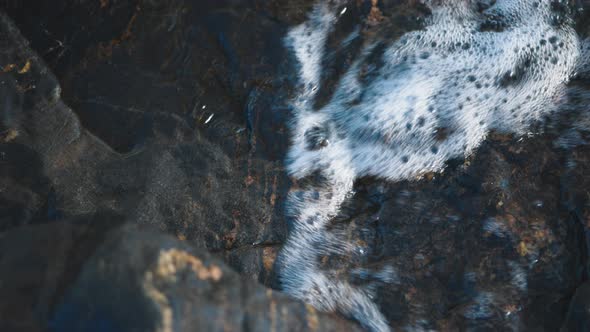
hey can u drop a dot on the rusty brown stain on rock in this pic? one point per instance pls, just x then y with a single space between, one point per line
174 260
542 235
9 135
312 317
161 300
249 180
25 87
410 294
522 248
9 67
375 15
230 238
269 255
107 50
25 68
501 137
429 176
127 33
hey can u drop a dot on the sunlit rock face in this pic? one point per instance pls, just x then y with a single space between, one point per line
405 107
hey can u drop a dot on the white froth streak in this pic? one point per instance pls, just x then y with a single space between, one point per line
307 40
300 275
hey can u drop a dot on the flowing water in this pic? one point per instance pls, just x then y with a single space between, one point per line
407 106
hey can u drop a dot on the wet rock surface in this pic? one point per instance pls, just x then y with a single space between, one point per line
578 317
138 137
101 277
147 281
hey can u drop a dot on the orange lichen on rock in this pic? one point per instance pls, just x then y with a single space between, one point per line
522 248
9 67
107 50
170 262
269 255
249 180
25 68
312 317
375 15
12 66
9 135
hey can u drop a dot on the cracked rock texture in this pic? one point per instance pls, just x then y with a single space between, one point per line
142 182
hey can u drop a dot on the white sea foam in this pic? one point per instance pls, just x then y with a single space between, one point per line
435 95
